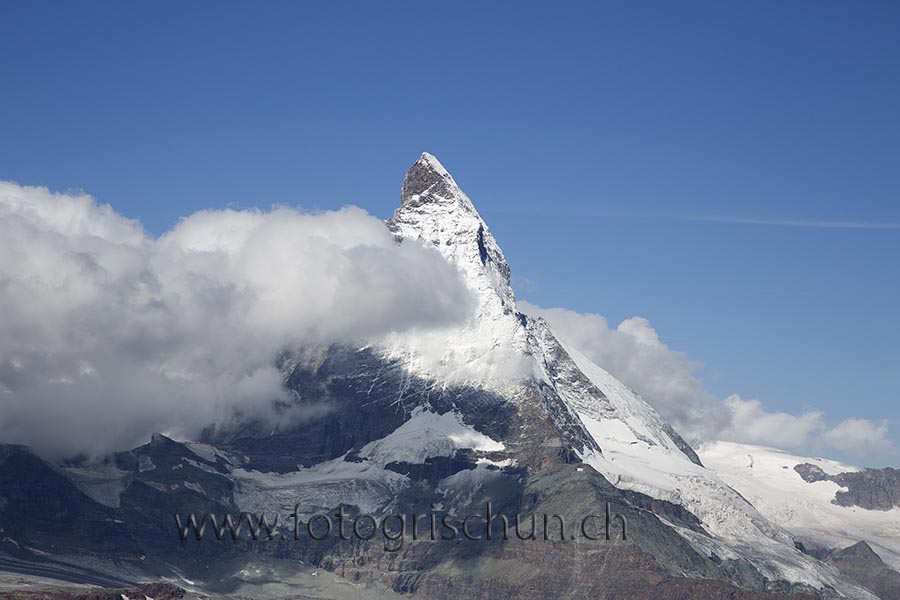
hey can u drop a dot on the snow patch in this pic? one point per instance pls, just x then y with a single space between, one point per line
426 435
102 483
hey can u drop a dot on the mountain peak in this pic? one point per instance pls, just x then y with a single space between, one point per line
860 551
435 210
427 179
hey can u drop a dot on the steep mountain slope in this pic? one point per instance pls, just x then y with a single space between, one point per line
860 563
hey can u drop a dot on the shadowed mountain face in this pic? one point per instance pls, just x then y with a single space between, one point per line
860 563
155 591
41 509
499 410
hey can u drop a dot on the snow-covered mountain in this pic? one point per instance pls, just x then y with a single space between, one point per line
500 409
609 426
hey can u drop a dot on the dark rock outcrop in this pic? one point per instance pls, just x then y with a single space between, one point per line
872 489
41 509
156 591
426 179
863 565
811 473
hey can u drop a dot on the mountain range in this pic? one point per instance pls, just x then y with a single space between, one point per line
499 410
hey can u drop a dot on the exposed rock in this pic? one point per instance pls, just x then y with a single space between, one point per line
872 489
811 473
426 180
41 509
154 591
863 565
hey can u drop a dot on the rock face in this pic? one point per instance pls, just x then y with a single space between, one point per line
875 489
812 473
863 565
155 591
426 181
872 489
41 510
499 410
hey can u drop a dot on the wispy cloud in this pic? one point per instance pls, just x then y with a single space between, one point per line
669 381
808 223
769 222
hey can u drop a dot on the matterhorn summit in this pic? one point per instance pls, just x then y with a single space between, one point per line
435 211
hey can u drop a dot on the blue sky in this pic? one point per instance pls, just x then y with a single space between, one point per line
652 159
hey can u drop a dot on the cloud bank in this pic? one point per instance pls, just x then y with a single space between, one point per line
107 334
633 352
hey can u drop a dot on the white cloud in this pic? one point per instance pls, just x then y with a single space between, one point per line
860 437
806 432
668 380
633 353
751 423
107 334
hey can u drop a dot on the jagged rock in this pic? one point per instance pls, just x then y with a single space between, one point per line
811 473
872 489
863 565
150 591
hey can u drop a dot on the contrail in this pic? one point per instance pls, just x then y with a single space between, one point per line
812 224
806 223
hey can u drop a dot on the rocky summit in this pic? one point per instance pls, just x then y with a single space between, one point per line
414 443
